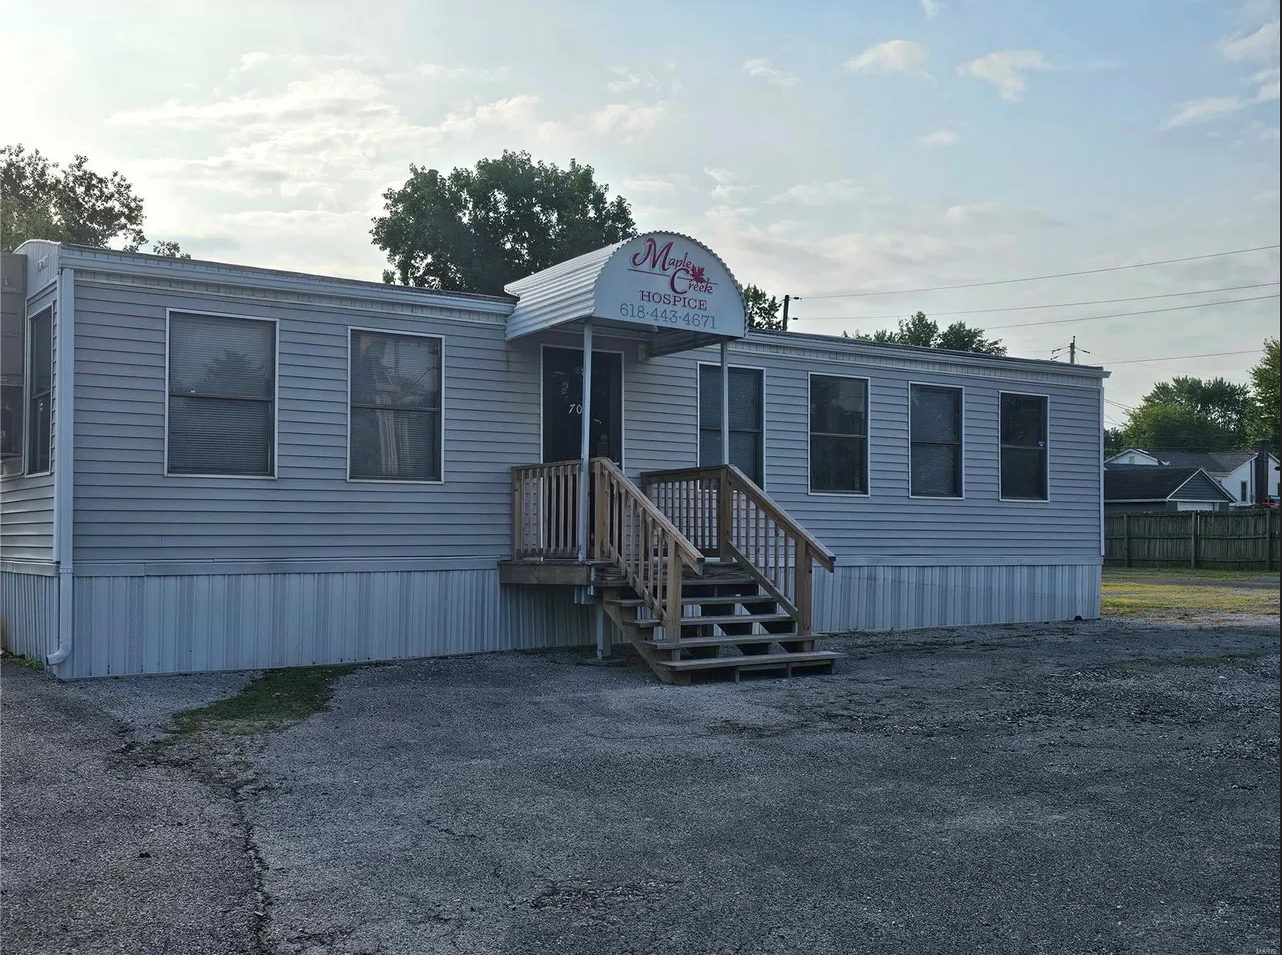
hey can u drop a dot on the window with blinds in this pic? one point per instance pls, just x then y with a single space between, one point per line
838 434
222 396
936 439
40 394
1023 447
395 422
746 416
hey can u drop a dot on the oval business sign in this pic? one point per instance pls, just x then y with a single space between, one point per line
667 281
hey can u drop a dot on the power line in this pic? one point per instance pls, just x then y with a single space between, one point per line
1026 308
1216 354
1038 278
1147 311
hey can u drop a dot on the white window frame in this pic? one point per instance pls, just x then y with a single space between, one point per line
1024 500
623 393
28 380
961 437
347 451
698 412
867 437
169 314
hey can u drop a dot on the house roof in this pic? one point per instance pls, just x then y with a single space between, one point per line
1147 482
1213 462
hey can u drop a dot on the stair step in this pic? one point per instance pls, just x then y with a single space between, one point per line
692 642
703 599
733 618
763 661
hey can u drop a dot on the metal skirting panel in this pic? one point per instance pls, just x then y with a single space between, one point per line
188 624
29 606
891 597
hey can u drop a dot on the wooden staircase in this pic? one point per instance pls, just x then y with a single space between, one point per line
729 626
704 575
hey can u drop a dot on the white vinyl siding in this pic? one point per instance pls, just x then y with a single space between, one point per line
838 434
222 396
1023 437
935 417
395 407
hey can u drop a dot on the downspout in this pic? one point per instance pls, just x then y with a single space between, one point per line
64 440
585 441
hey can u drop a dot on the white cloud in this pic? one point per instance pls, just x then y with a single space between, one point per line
1005 70
1270 134
893 56
930 8
1263 76
627 119
940 137
648 184
630 80
1210 107
823 194
1269 195
1260 45
762 70
722 176
1204 109
968 212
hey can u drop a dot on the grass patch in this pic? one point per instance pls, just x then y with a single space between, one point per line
1145 664
276 698
31 663
1134 597
1186 573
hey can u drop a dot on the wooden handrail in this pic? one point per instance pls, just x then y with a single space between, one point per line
723 511
822 555
635 536
545 507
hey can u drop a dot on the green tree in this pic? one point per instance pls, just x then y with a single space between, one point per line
1197 413
762 310
921 331
1264 413
39 199
476 230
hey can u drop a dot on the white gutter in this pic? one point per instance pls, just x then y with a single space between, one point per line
64 442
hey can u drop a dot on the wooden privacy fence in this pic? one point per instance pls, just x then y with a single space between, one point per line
1240 540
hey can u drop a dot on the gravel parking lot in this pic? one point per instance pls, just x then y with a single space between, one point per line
1108 786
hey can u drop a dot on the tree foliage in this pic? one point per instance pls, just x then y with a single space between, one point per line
39 199
921 331
1196 413
476 230
1264 412
762 310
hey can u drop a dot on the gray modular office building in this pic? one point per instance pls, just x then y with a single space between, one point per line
212 466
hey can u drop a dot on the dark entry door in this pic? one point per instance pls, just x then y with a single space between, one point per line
563 405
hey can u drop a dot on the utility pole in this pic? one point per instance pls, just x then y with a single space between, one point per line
786 300
1072 350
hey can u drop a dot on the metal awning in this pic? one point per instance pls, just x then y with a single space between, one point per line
664 282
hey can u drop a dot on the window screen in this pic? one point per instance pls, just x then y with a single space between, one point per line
396 407
1024 447
936 464
40 400
745 419
838 434
222 393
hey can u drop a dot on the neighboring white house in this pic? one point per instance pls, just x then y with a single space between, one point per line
1234 470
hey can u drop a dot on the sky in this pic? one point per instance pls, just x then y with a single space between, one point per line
884 146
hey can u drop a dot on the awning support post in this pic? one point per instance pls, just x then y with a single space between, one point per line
585 439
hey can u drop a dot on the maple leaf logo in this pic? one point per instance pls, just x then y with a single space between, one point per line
696 273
